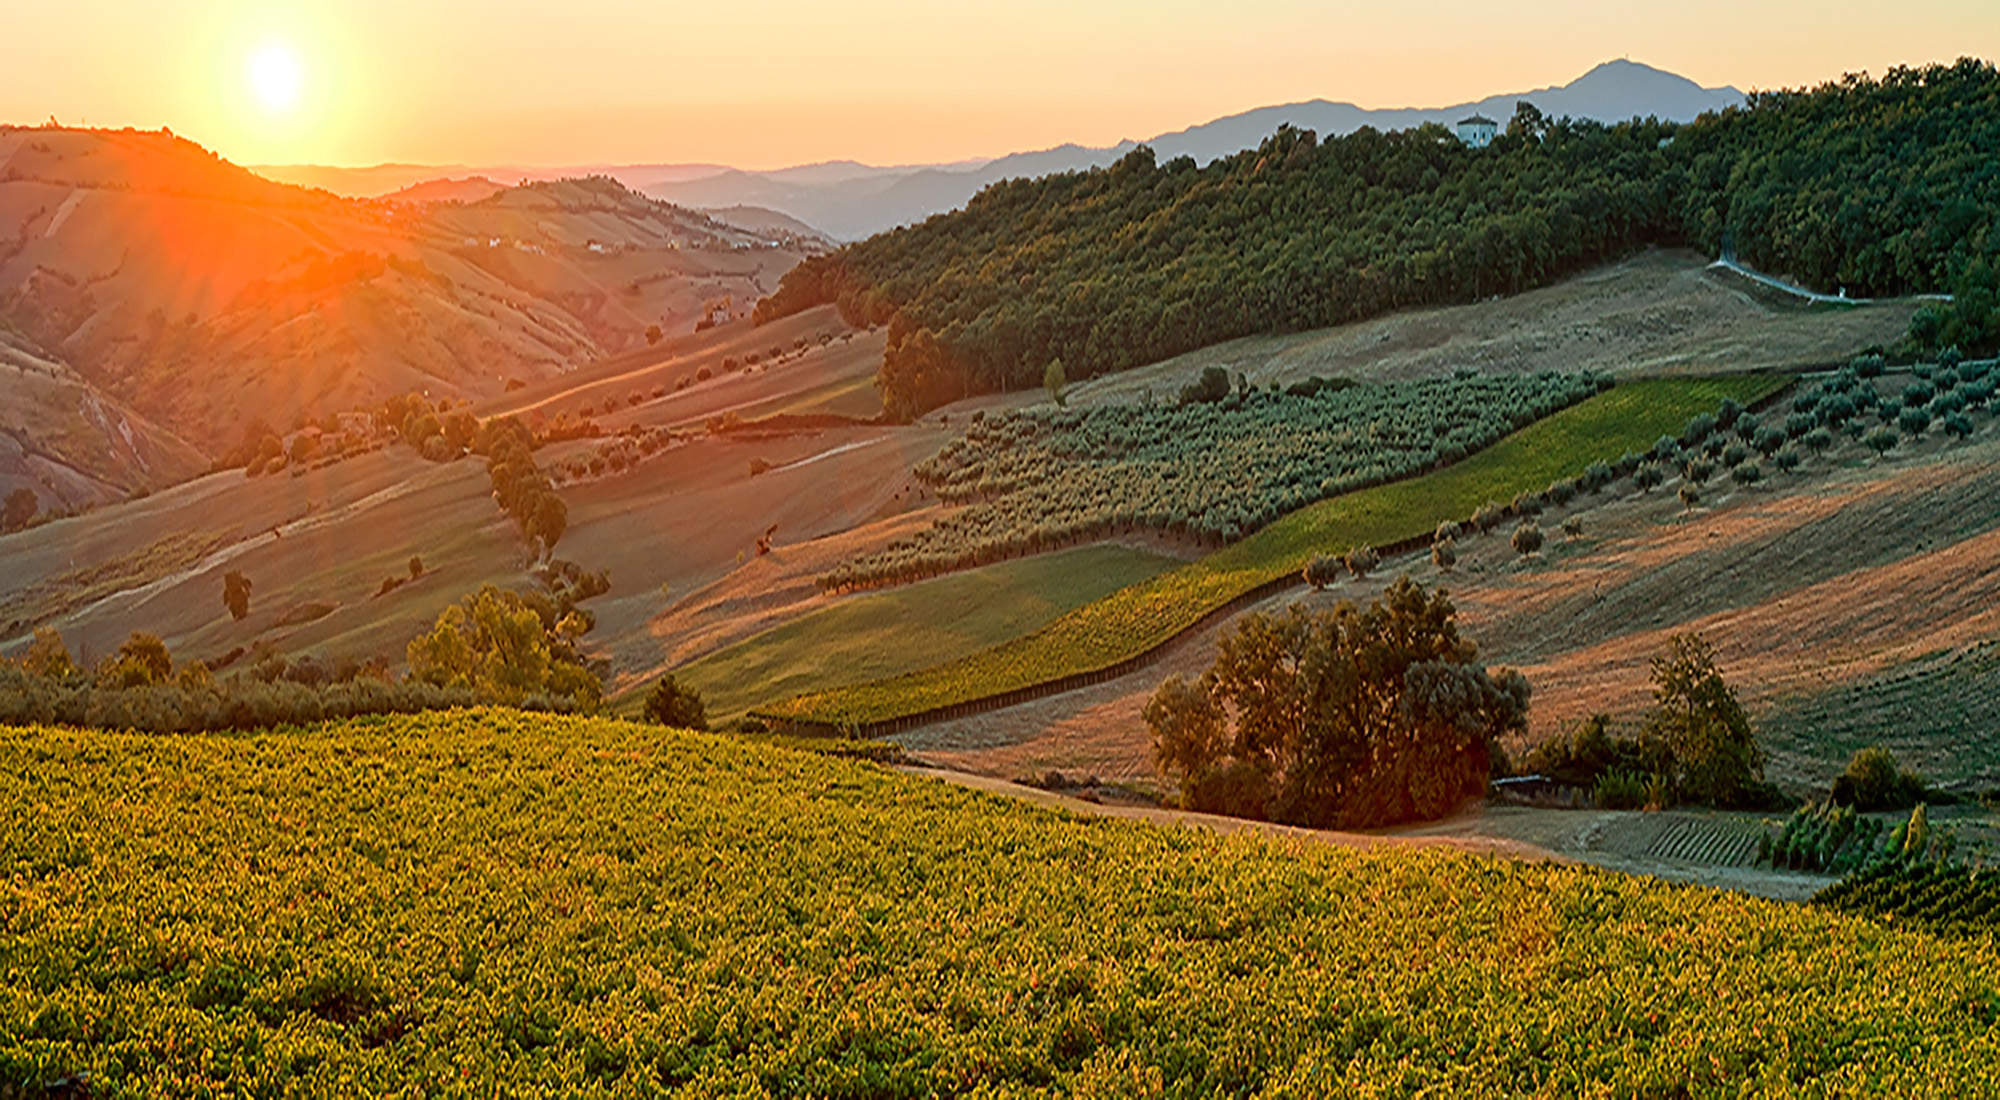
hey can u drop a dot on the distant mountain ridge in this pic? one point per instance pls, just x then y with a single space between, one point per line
849 200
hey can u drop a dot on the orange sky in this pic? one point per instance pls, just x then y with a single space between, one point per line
884 81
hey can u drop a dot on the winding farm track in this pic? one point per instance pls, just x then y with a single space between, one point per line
1694 849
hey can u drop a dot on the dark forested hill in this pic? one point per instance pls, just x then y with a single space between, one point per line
1875 186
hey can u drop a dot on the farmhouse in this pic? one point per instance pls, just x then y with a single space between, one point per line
1477 131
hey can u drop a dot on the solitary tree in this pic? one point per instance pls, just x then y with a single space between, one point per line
1715 753
1527 539
673 704
48 657
1322 570
1054 381
1361 561
236 594
19 509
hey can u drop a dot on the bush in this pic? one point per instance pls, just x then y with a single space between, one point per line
1527 539
1649 477
1361 561
1818 441
672 704
1873 781
1786 459
1746 473
1444 554
1690 497
1882 440
1619 790
1322 570
1448 531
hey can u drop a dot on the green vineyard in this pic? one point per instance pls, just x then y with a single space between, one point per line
1942 897
1138 619
486 903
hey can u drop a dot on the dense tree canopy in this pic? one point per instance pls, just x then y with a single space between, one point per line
1353 718
1880 187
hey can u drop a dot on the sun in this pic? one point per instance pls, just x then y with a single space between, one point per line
275 77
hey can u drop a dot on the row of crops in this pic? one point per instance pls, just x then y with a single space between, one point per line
1835 839
1212 471
486 903
1941 896
1133 621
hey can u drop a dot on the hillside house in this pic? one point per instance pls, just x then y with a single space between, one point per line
1478 131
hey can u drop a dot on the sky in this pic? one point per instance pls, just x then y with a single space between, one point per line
784 82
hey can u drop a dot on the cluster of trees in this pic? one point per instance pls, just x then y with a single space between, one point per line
1211 470
142 687
1349 718
508 647
1697 745
523 490
1877 186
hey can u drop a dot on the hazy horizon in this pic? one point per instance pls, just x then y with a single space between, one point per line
882 82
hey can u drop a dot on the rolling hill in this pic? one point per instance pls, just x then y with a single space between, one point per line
198 294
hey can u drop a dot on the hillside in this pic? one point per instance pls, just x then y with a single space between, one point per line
71 444
495 904
198 294
1149 258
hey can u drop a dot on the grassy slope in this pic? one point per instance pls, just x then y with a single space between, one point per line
488 904
913 627
1143 616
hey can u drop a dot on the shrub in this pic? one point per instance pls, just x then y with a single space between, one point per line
416 567
1619 790
1818 441
673 704
1322 570
1698 470
1361 561
1730 412
1527 539
1649 477
1699 428
1746 473
1572 527
1769 440
1690 497
236 594
1868 366
1882 440
1958 425
1873 781
1560 493
1736 454
1448 531
1527 503
1488 516
1444 554
1787 459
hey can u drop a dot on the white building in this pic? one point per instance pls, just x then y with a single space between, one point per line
1478 131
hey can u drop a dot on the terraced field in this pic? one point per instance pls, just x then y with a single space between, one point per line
1101 635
